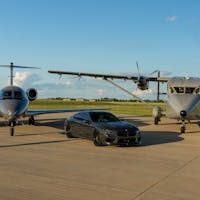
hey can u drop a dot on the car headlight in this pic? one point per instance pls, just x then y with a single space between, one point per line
138 132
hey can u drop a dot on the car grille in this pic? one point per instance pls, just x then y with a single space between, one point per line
126 133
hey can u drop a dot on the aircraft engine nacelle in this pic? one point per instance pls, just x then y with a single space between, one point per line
143 83
32 94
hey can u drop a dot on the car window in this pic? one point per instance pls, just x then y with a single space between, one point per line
81 116
103 117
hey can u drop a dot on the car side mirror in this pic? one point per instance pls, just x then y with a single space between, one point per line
86 121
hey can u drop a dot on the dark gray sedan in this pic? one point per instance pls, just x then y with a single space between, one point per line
103 128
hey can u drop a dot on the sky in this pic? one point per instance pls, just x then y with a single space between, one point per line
105 36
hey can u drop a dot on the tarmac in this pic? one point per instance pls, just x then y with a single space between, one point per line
39 162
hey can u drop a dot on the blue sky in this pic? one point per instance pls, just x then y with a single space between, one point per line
98 36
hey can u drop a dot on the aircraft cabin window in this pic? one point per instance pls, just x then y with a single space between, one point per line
179 90
7 94
189 90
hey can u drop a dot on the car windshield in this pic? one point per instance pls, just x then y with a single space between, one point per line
103 117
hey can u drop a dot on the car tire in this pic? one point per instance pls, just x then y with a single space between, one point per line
97 139
67 129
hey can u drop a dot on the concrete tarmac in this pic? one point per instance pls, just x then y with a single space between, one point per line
39 162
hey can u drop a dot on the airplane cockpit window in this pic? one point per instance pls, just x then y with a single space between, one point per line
17 95
171 90
7 94
179 89
189 90
197 90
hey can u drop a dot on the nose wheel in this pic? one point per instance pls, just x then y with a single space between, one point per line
12 129
183 127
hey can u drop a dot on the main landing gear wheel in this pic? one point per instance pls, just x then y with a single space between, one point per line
31 121
156 120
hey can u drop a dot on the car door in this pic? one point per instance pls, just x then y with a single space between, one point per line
76 125
85 125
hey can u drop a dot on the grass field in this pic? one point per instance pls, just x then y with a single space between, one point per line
127 108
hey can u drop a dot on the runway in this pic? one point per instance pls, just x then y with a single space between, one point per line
41 163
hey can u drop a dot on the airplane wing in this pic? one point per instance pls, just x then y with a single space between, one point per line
51 111
107 76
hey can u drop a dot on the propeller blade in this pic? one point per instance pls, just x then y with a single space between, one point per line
153 72
138 69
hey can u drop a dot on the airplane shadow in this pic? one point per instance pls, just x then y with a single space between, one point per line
148 137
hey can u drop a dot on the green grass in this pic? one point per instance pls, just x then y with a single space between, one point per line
127 108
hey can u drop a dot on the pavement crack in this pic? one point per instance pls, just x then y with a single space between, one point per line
164 178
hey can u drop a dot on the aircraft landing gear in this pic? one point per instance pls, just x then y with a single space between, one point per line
12 129
31 120
156 120
183 127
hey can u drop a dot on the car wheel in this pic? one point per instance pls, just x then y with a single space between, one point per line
67 129
97 140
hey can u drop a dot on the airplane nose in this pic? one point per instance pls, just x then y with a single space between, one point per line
12 108
183 113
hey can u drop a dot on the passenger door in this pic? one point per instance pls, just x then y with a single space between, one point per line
81 126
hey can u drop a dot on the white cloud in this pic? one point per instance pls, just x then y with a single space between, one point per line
27 80
141 93
101 92
20 77
171 18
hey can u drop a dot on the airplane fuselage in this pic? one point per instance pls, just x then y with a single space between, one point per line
13 102
183 98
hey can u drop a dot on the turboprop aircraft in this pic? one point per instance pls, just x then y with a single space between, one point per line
183 94
14 102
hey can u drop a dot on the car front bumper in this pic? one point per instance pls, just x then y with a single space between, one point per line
121 140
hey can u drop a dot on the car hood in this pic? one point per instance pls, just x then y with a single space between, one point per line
119 125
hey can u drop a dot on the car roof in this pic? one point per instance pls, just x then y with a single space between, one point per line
93 111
